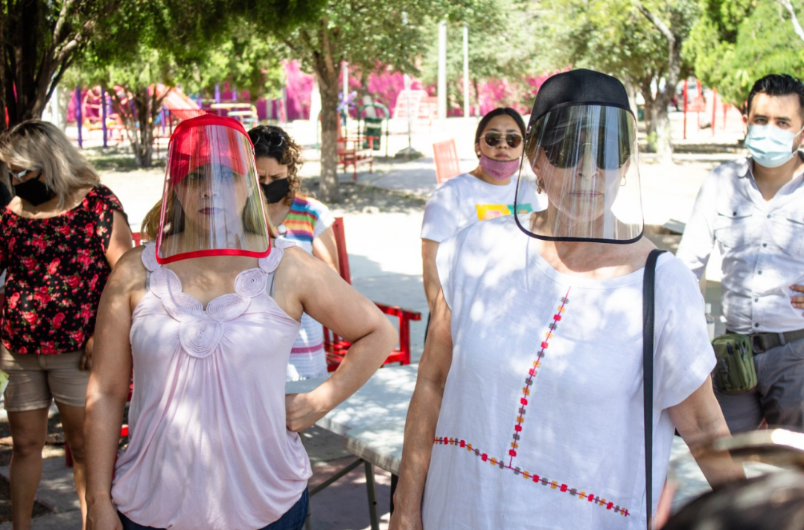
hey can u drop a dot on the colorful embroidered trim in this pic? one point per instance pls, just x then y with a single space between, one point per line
554 485
523 401
520 419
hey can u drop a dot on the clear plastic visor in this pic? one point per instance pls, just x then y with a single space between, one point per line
212 205
584 158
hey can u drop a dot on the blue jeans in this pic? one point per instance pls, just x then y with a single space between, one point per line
293 519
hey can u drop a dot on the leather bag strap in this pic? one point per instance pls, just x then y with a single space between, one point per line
647 372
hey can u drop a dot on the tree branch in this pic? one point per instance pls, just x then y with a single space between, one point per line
661 26
673 53
796 26
60 27
290 46
327 49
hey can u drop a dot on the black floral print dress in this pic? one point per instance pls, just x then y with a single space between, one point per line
56 271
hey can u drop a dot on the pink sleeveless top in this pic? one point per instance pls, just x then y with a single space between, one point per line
208 445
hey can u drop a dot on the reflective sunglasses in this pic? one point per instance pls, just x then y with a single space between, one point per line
492 139
565 154
271 138
20 174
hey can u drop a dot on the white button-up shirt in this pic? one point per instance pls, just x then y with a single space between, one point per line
762 243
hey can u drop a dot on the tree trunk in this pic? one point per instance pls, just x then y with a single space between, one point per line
5 182
328 88
34 61
660 128
145 145
650 123
477 97
24 75
659 121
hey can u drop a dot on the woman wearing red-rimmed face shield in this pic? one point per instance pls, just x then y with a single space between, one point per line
206 314
211 202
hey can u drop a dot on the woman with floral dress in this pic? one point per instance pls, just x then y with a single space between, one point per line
59 239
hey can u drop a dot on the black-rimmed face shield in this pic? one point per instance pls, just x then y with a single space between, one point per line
584 158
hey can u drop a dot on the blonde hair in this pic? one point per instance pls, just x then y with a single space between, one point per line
41 146
252 221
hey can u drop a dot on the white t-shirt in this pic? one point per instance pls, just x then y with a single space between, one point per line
541 423
465 200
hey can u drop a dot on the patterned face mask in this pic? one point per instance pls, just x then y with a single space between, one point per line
499 169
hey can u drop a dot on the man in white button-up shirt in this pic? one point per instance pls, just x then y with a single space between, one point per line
753 209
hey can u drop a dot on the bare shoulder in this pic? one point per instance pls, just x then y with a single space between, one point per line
15 206
298 264
294 257
129 270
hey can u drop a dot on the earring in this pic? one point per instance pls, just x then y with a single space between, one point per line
539 185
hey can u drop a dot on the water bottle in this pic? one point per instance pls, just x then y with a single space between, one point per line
710 322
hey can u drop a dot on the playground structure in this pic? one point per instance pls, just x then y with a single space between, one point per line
95 111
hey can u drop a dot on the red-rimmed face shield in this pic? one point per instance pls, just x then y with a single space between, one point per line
211 205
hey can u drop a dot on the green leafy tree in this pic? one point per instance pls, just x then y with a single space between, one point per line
364 33
493 52
791 10
736 42
170 43
638 41
41 39
368 34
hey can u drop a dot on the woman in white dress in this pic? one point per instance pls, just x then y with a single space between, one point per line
528 410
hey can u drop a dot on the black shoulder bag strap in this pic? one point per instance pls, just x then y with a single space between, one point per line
647 373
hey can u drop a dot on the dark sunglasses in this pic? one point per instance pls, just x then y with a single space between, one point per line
568 154
271 138
20 174
492 139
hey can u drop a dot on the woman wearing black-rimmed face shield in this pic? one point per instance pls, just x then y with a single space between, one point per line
529 410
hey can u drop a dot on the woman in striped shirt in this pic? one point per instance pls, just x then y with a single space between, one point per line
302 219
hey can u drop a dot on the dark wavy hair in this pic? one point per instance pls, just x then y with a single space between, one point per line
499 111
777 85
273 142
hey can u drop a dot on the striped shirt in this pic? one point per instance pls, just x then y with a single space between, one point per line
306 220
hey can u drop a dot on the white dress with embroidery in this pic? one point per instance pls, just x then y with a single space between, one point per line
541 421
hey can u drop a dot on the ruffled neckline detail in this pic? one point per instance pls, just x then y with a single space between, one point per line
201 330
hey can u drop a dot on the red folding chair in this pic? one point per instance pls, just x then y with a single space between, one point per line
446 160
336 346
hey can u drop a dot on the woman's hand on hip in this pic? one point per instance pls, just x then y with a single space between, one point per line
301 412
102 515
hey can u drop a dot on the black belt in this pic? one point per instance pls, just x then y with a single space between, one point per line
762 342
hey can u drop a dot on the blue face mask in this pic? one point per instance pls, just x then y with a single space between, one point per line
770 146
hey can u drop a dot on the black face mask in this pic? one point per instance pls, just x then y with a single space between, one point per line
276 190
34 191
